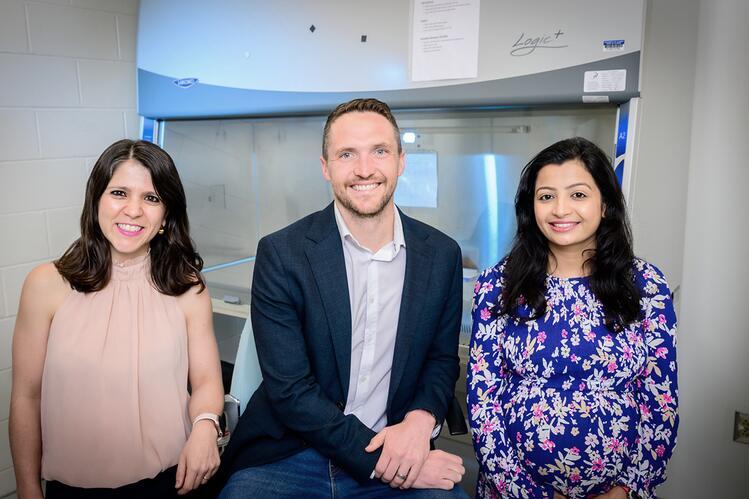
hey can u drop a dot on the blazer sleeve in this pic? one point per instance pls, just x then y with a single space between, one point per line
436 381
295 394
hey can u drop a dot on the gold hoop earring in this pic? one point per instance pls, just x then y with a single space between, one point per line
161 231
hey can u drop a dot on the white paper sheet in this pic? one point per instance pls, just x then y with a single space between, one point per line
444 39
614 80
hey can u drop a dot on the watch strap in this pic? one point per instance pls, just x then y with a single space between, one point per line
213 418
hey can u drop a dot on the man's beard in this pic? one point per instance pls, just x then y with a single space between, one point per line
349 205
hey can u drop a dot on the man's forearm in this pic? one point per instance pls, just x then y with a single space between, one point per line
325 428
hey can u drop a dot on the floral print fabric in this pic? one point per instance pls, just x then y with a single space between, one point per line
561 402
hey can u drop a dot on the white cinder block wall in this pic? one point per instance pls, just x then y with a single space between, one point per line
67 90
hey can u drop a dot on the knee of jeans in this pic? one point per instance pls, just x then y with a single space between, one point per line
234 487
459 493
456 493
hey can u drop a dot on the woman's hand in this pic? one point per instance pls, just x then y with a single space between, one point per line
199 459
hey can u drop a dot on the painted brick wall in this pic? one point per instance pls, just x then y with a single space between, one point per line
67 90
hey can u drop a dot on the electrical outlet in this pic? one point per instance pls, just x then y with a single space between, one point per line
741 428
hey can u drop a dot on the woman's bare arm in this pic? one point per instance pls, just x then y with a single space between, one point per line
200 458
43 292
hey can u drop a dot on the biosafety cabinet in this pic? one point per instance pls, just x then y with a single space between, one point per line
238 91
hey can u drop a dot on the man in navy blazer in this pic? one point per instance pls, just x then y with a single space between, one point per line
356 313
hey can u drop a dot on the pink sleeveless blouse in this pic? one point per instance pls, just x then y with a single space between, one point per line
114 389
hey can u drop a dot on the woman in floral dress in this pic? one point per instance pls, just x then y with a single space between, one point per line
572 389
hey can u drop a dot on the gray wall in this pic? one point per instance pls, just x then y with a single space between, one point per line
688 219
713 333
67 91
657 197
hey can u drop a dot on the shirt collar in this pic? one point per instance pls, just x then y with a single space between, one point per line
399 240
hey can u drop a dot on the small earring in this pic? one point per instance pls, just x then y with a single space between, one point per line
161 231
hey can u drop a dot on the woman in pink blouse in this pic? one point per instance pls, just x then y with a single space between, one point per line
106 340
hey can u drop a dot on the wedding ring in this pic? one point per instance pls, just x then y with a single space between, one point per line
205 478
402 477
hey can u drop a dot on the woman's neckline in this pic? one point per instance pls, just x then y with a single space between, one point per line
574 278
130 262
132 268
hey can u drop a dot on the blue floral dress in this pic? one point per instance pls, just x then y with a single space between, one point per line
561 403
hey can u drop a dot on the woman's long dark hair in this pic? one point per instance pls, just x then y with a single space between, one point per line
610 264
175 265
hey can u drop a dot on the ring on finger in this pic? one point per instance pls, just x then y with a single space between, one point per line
205 478
402 476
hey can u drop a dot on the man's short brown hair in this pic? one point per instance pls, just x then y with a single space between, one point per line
360 106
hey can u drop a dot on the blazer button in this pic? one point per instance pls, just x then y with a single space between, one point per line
340 405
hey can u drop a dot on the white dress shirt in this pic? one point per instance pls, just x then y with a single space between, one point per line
375 284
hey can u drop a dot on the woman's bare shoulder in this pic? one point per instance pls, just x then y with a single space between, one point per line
45 283
46 275
195 297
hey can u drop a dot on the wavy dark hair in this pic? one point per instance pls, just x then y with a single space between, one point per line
610 264
175 267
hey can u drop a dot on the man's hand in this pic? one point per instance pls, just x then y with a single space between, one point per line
441 470
615 493
405 447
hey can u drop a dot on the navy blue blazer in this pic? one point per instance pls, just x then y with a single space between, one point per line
301 320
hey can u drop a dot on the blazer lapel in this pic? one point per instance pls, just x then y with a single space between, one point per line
325 255
419 256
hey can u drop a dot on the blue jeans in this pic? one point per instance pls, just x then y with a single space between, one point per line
310 475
